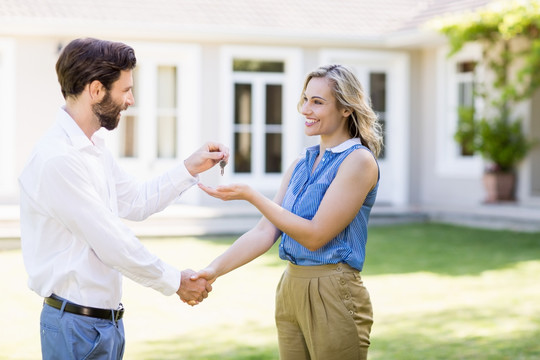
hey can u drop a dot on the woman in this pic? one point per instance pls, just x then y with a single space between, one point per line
321 211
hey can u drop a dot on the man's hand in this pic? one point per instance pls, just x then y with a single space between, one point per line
206 157
193 291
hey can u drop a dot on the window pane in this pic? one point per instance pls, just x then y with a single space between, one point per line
136 85
166 87
242 152
166 137
242 103
466 67
167 120
273 153
127 128
274 112
129 136
377 91
258 66
273 104
466 94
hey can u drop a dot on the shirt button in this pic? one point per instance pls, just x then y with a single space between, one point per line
351 312
338 268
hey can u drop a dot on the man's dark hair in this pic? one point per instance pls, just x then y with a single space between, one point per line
85 60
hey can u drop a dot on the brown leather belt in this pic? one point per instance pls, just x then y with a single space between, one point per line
56 303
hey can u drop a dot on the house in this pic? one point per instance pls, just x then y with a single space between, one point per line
233 71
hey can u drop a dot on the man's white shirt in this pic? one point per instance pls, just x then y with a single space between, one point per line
74 243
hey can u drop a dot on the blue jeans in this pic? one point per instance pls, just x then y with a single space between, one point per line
70 336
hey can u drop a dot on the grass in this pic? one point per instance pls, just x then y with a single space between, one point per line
439 292
444 292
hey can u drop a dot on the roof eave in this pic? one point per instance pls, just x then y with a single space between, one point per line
413 39
226 34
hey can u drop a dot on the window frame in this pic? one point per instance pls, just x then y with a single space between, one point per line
450 162
396 66
291 82
187 60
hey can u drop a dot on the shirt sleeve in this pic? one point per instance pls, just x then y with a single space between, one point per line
71 199
137 199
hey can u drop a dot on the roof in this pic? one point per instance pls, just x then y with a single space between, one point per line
339 19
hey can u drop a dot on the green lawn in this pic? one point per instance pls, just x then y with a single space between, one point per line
438 291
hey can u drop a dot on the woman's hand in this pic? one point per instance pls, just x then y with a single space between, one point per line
228 192
208 273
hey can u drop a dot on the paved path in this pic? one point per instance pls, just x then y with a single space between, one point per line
188 220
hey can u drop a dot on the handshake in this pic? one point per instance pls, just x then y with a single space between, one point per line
194 287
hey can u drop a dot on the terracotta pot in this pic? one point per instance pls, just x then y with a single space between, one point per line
500 186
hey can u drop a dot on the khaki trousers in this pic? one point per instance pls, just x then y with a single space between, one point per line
322 313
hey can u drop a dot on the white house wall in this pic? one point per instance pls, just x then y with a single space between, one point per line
534 159
442 180
35 97
7 118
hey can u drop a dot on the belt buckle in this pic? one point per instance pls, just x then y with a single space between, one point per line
118 312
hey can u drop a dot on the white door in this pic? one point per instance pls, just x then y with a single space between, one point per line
384 76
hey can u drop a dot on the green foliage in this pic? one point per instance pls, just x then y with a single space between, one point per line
502 142
509 32
466 130
439 292
445 249
499 27
499 141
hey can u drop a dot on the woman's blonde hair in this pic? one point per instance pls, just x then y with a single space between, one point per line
363 122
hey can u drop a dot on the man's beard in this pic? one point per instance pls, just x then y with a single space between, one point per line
107 112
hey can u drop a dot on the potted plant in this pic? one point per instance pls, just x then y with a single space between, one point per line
504 145
509 33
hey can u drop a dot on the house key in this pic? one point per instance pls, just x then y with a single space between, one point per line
222 164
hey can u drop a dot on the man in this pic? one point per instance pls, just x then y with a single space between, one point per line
73 195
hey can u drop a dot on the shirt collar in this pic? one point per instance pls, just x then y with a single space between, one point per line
338 148
76 135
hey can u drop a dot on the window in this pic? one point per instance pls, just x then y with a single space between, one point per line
242 128
465 109
166 112
258 66
456 106
273 128
258 97
166 119
377 92
385 78
128 126
258 109
163 125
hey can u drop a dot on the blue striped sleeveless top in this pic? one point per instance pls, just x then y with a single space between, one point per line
303 197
